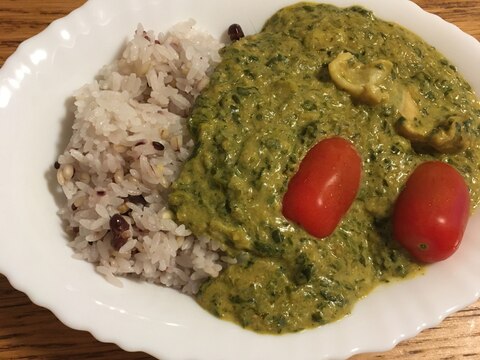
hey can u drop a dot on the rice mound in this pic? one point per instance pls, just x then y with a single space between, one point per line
128 144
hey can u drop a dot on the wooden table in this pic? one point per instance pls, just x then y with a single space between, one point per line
31 332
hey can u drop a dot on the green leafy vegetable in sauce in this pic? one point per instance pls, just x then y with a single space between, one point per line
313 72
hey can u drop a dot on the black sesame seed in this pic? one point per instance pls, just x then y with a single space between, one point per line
118 224
137 199
74 207
158 145
235 32
101 193
56 165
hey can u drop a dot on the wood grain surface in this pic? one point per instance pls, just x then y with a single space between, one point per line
28 331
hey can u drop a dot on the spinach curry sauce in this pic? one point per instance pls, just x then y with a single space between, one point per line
270 100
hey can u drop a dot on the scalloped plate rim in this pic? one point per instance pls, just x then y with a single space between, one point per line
88 12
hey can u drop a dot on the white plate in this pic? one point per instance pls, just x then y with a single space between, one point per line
35 85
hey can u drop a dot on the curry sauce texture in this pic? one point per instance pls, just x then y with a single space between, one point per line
313 72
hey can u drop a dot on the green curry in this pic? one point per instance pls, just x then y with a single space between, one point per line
313 72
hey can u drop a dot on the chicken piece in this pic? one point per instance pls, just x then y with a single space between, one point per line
408 107
449 136
361 81
446 136
414 129
411 126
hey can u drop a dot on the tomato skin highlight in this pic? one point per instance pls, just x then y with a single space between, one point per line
431 212
324 187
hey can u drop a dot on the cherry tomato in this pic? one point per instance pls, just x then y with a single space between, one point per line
324 187
431 213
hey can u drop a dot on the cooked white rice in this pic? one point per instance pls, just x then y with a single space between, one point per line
128 144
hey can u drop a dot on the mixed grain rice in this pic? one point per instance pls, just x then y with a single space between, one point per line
128 144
